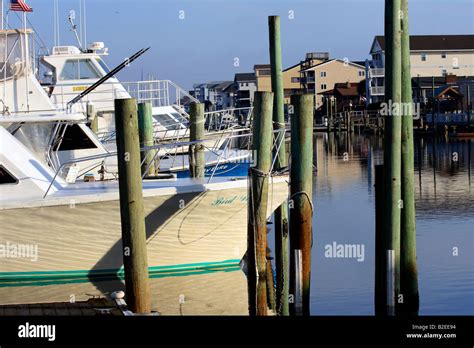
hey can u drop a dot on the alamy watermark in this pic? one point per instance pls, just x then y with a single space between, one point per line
9 250
400 109
28 330
346 251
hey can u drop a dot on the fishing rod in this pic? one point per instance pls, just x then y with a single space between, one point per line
114 71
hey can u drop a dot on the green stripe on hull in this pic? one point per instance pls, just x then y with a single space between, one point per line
42 278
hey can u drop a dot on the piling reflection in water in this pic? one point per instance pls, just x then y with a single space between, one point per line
344 213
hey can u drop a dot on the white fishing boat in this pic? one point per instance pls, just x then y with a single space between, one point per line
70 70
57 228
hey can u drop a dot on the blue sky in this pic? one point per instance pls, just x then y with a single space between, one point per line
203 45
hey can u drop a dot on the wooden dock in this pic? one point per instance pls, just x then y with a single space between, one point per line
91 307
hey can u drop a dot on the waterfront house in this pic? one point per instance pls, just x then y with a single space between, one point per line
324 76
431 55
245 86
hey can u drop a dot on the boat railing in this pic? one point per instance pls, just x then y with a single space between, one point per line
225 118
217 121
278 140
158 92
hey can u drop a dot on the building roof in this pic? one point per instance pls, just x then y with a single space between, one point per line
210 84
426 82
359 62
331 61
240 77
224 85
261 66
436 42
346 89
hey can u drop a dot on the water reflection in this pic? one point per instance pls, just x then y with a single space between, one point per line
344 213
215 293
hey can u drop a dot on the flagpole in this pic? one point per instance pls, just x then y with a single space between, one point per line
27 61
2 15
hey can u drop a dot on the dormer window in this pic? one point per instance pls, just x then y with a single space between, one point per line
78 69
6 177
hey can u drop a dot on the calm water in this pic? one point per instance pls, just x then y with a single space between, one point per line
344 213
343 195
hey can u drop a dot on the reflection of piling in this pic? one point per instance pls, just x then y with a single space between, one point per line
301 190
270 283
145 127
381 245
409 300
298 275
433 119
469 106
257 207
196 133
392 138
281 213
390 281
131 206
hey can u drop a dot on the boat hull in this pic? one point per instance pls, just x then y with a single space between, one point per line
185 232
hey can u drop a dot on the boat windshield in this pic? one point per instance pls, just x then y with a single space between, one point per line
103 65
180 118
168 122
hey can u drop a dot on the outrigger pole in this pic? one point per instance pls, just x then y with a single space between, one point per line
119 67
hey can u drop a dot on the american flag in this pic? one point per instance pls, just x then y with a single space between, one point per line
19 5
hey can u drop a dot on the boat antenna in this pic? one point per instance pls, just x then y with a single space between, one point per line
71 17
114 71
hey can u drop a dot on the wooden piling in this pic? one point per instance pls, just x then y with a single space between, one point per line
257 207
145 127
301 179
196 133
409 300
392 136
281 213
131 207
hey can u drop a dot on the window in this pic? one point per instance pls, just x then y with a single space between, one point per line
323 74
179 117
423 57
167 121
443 55
323 86
103 65
6 177
361 73
78 69
75 139
295 79
444 72
265 72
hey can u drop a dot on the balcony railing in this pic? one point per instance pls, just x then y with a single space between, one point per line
377 72
380 90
